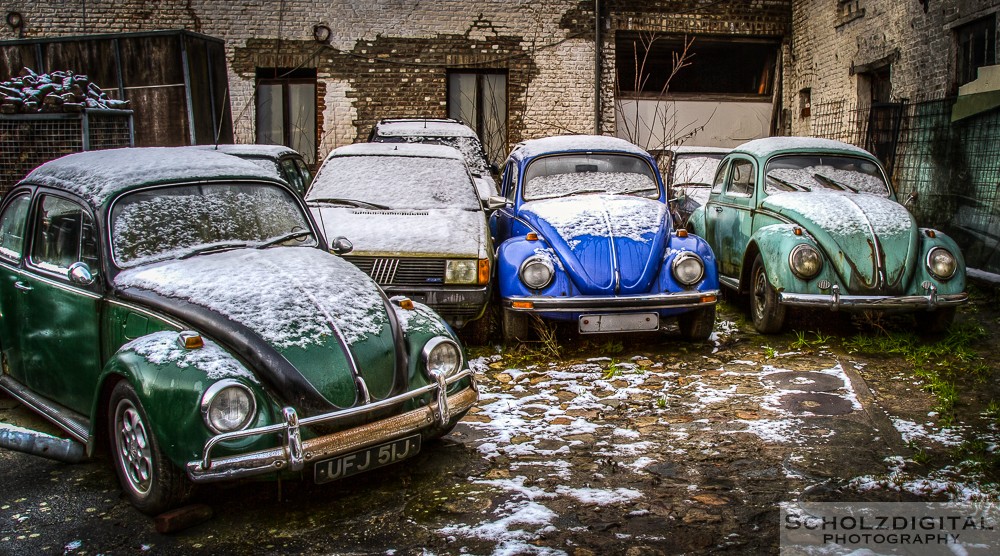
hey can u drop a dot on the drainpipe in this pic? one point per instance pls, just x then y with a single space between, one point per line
597 67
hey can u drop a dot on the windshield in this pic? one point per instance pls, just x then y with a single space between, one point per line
816 172
575 173
396 182
470 148
699 168
174 221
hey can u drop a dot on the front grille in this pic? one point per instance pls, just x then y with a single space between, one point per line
401 271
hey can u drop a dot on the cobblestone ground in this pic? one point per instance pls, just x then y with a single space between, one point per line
614 446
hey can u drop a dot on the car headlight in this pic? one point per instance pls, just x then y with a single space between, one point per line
941 263
442 356
537 272
688 268
805 261
227 406
461 271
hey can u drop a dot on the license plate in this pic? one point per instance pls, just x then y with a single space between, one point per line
626 322
367 459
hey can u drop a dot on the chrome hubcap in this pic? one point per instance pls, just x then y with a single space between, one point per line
134 451
759 293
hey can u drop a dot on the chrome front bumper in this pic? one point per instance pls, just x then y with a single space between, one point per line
295 453
835 301
598 304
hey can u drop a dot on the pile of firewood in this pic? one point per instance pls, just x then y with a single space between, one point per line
59 91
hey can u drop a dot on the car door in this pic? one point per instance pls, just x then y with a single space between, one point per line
502 218
13 226
731 215
60 316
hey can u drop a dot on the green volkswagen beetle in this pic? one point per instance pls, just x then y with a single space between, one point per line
806 222
181 305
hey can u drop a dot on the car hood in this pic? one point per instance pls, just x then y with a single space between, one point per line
316 315
410 233
608 244
869 239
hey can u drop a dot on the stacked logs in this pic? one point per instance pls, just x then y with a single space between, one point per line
59 91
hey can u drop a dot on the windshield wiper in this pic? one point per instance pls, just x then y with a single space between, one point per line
831 181
350 202
790 185
213 248
296 234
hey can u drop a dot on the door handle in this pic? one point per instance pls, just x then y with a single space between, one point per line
718 209
22 286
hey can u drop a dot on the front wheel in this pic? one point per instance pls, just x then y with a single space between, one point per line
150 482
697 325
767 313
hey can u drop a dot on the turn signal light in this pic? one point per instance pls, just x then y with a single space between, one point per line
682 233
797 231
931 234
406 303
484 271
708 298
522 304
190 340
531 236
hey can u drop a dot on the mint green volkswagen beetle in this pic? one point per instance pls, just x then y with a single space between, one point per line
806 222
181 305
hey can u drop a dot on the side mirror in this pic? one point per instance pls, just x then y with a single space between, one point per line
496 202
911 200
79 273
494 169
341 246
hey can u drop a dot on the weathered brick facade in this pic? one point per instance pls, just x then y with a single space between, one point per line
391 58
835 42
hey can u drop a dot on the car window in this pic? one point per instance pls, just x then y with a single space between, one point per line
742 182
512 186
397 182
824 172
720 178
694 168
291 172
64 234
12 223
574 173
304 173
173 221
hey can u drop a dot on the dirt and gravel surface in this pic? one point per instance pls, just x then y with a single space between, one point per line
610 445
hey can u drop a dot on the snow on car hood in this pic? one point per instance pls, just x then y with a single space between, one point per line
409 233
849 227
596 236
298 300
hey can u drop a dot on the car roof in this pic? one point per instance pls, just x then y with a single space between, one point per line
692 149
98 176
771 145
423 127
574 143
398 149
270 151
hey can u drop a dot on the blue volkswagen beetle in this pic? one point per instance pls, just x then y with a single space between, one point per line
585 236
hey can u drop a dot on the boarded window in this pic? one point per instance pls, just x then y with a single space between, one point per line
286 109
976 44
480 101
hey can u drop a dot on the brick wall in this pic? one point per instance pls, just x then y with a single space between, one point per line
382 58
834 41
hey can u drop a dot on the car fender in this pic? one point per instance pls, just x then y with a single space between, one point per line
513 252
678 244
930 239
170 381
774 243
696 222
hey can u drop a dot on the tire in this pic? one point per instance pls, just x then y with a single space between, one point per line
516 326
768 315
150 482
935 322
697 325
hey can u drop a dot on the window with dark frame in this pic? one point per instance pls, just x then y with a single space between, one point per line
976 46
286 109
734 66
479 99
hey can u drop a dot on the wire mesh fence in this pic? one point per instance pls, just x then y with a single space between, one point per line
28 140
952 167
